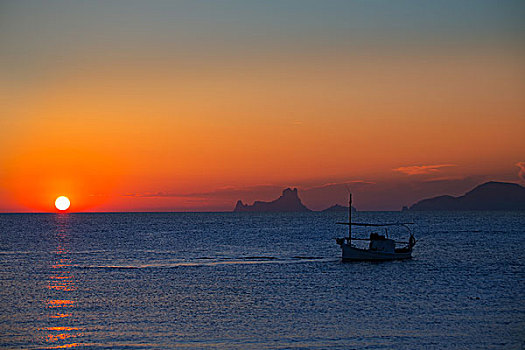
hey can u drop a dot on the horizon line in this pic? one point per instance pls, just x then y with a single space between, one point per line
183 212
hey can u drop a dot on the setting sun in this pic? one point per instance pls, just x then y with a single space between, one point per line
62 203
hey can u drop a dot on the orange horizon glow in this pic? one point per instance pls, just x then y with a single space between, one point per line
193 115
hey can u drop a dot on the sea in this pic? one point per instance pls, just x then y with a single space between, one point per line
258 281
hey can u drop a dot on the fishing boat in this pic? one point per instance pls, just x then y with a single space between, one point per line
380 247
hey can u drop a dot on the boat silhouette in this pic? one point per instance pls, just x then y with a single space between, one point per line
380 248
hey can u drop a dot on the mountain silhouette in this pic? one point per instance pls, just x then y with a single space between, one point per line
289 201
488 196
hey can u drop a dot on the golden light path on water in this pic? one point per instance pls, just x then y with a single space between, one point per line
61 284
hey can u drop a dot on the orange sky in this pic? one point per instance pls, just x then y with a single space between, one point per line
194 121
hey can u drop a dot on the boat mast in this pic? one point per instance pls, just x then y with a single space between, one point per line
349 217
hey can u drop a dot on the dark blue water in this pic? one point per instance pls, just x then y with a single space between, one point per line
225 280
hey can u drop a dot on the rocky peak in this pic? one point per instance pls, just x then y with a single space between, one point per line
289 201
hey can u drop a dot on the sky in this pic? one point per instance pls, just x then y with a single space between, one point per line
192 105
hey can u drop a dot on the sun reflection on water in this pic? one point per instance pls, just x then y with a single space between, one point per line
65 346
59 315
61 284
60 303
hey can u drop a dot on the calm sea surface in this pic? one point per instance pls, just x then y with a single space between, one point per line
226 280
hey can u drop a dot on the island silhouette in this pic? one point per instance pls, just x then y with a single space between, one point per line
289 201
488 196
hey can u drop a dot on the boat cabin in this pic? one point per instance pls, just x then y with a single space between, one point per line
379 243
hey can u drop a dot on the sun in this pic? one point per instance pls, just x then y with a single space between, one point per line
62 203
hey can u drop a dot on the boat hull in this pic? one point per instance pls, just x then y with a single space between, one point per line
350 253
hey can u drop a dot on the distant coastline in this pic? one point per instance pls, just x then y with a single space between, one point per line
488 196
289 201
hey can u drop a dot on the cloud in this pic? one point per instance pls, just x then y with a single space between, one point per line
422 169
444 179
350 184
316 197
521 173
325 195
222 191
150 195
